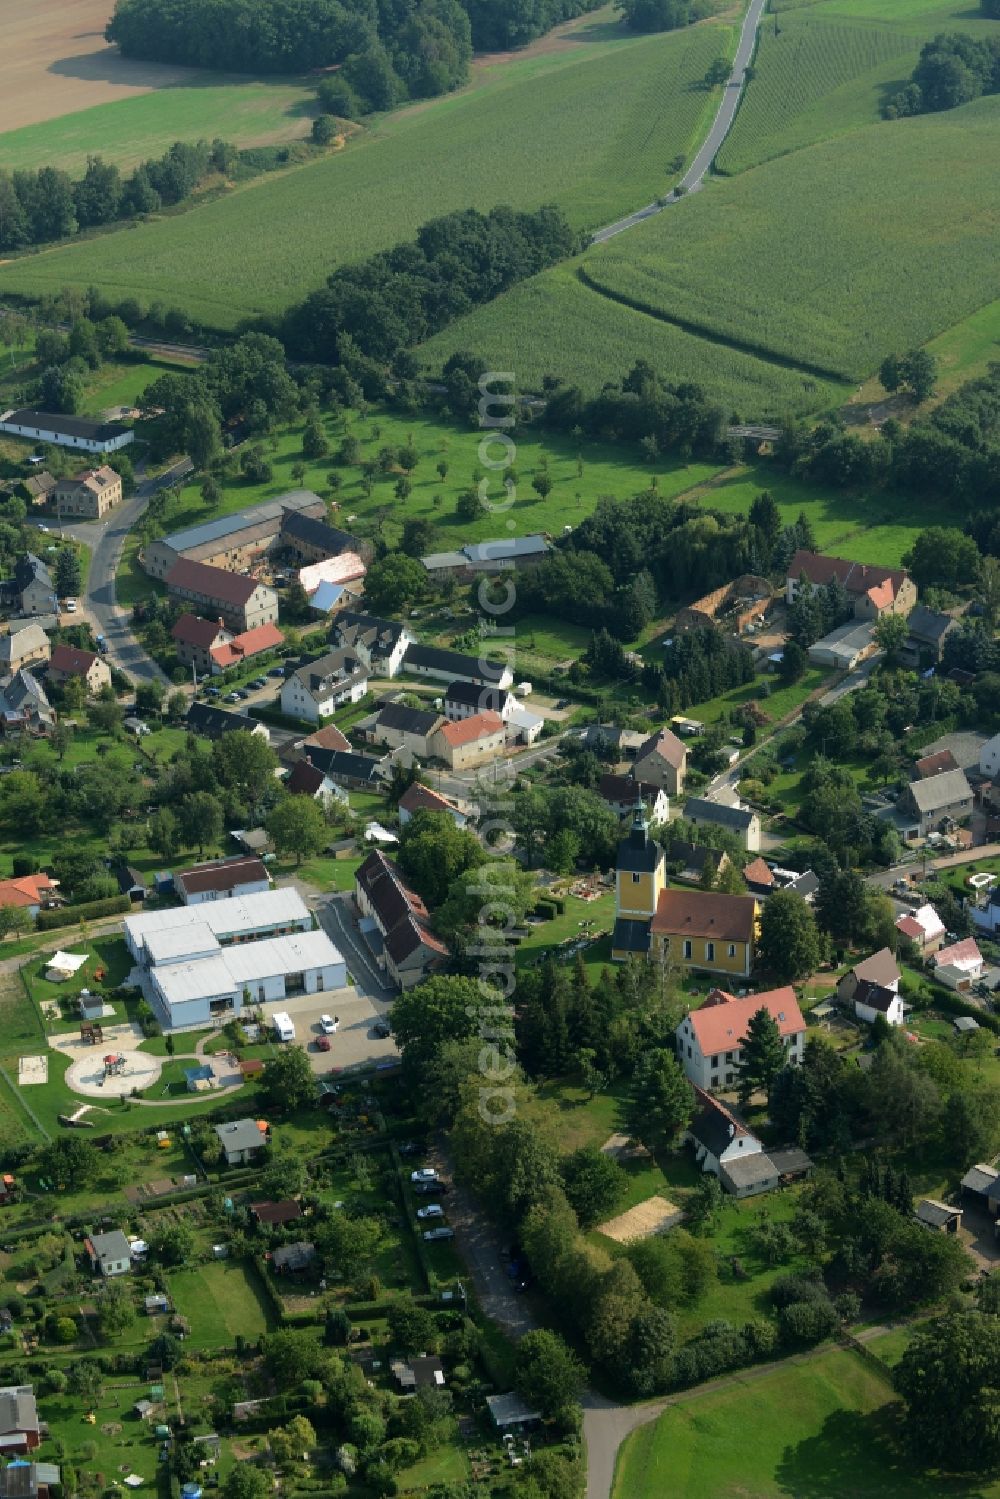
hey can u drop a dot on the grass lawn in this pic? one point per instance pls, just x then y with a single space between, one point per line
823 1427
106 955
778 702
554 938
133 130
220 1300
448 1465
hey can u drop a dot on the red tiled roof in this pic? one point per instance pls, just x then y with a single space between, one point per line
468 730
221 874
305 779
417 798
910 928
757 873
857 577
249 643
705 913
74 662
721 1022
191 629
933 765
329 738
966 951
27 890
211 582
665 744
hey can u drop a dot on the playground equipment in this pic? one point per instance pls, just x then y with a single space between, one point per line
114 1065
91 1033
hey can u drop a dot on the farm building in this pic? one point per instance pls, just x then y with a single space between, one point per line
235 541
66 431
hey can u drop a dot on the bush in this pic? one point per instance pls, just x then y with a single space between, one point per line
787 1290
50 921
807 1322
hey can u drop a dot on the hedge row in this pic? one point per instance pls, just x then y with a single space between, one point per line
114 905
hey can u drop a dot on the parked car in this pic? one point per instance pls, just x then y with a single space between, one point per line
432 1210
322 1043
431 1189
382 1027
277 671
435 1235
424 1174
241 694
70 606
231 697
328 1025
213 691
259 682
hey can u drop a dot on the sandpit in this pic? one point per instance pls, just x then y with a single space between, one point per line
32 1070
623 1148
654 1216
87 1075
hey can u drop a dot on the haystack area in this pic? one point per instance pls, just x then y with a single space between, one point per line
654 1216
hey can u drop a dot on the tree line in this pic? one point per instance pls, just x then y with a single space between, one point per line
396 299
385 51
663 15
954 68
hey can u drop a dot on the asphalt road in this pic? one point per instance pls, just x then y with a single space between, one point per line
711 145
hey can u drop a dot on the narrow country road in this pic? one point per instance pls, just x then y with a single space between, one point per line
711 145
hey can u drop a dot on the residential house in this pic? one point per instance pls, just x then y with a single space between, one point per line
380 644
718 1136
236 542
212 722
960 965
22 648
470 742
240 602
30 1481
425 1372
110 1253
221 879
466 699
621 793
242 1140
195 639
318 688
702 811
987 918
417 798
874 591
453 666
946 796
923 927
31 892
928 630
706 929
710 1038
881 968
31 589
607 739
358 772
24 705
760 878
20 1428
934 765
68 663
292 1259
395 922
89 495
662 761
66 431
872 1000
640 879
687 861
306 779
37 488
327 738
402 728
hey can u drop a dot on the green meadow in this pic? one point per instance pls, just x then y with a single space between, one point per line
595 129
131 130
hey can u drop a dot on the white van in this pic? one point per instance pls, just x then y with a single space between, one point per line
283 1026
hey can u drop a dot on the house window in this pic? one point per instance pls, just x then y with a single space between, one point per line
635 879
710 952
732 949
687 949
689 1051
715 1079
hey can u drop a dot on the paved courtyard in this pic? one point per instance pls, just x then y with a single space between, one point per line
355 1041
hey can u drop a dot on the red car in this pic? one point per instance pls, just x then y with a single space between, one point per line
322 1043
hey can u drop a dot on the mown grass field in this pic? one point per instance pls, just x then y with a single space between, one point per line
220 1300
595 131
823 1427
555 324
879 211
131 130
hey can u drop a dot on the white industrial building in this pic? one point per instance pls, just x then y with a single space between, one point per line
244 918
215 985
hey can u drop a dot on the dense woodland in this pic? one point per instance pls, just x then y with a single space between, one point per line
387 50
397 299
954 69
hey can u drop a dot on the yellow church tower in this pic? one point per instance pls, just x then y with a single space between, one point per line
640 875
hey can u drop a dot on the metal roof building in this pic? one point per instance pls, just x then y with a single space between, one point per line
241 918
